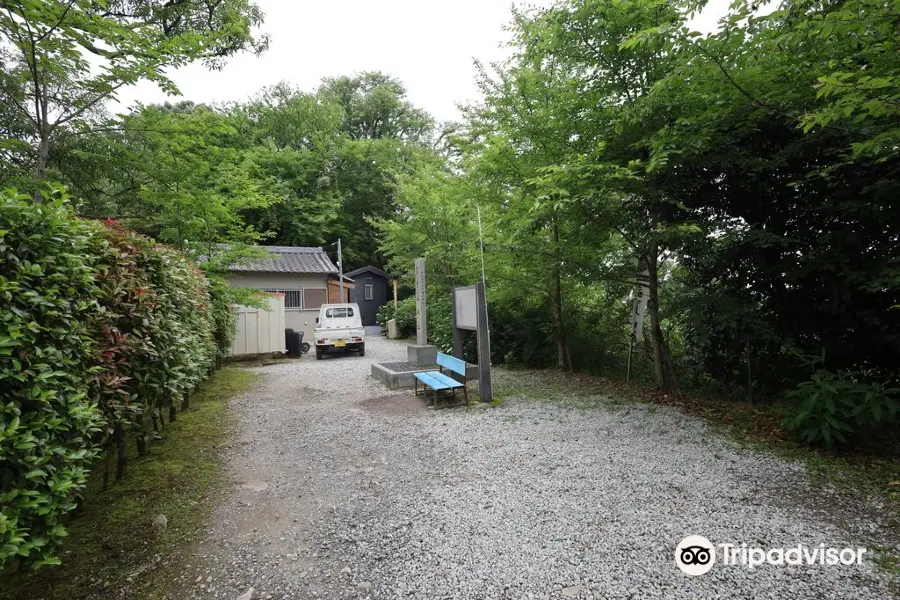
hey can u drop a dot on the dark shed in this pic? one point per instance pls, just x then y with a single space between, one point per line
371 292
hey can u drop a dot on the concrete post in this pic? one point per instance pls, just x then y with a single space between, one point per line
421 308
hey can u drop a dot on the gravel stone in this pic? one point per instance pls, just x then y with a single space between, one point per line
248 595
160 522
532 499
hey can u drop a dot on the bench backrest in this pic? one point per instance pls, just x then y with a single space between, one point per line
457 365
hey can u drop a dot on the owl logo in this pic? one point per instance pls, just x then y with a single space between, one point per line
695 555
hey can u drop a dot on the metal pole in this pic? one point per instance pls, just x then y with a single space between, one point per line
481 240
341 270
483 282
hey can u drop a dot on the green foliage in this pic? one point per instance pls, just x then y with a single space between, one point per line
839 408
405 315
222 300
291 167
374 106
175 172
48 420
63 59
102 331
177 480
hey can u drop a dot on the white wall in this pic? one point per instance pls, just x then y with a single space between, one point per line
298 320
260 331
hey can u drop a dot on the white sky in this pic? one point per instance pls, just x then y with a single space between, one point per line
428 45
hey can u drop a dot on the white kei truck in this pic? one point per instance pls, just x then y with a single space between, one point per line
339 327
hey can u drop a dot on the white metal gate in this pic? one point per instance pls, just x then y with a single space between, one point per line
260 331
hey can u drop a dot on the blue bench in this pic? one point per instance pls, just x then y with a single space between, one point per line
438 380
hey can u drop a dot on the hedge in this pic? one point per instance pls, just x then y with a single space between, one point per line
103 333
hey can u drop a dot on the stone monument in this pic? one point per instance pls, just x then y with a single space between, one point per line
420 353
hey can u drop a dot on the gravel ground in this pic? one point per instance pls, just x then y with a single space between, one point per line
346 490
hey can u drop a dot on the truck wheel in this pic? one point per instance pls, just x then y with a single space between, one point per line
319 354
362 349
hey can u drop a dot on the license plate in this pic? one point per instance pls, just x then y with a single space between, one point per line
340 343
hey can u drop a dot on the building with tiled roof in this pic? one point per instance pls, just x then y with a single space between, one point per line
305 275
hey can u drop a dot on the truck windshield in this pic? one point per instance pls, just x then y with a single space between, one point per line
339 313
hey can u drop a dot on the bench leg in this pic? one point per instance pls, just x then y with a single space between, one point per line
466 393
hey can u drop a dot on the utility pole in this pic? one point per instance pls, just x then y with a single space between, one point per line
341 270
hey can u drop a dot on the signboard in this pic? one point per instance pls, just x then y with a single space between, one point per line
466 302
470 314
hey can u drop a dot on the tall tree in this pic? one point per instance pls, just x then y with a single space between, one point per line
375 107
570 149
64 58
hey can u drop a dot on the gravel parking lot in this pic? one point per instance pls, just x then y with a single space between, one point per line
345 490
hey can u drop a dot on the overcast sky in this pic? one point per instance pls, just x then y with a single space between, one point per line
428 45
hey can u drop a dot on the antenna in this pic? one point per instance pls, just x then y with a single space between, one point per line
483 281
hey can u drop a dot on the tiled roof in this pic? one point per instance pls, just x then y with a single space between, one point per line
289 259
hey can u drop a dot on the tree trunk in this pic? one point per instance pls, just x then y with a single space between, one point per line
656 336
670 370
119 440
40 168
172 413
563 360
663 370
141 442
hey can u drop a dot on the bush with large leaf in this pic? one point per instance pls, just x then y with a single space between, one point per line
48 421
102 332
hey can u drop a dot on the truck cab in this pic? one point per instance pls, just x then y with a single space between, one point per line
339 328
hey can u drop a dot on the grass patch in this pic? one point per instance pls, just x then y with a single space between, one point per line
112 541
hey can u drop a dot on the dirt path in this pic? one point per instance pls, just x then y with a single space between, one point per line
344 490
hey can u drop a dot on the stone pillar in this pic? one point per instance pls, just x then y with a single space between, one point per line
421 308
421 354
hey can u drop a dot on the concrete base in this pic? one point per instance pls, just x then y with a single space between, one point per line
394 379
421 355
402 375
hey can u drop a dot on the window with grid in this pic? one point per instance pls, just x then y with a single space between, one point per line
292 298
370 293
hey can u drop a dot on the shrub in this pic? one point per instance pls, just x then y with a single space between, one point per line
102 332
405 315
223 316
158 309
834 408
48 421
385 313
